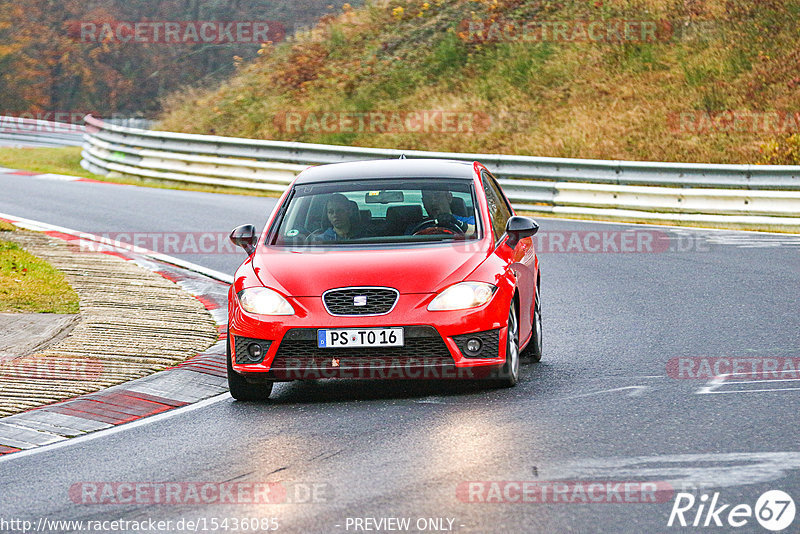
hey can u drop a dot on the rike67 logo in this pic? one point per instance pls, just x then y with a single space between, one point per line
774 510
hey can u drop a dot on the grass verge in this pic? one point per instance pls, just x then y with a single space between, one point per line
29 284
65 160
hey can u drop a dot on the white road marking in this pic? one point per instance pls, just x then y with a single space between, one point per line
755 390
56 177
768 381
682 470
635 392
713 385
430 400
741 239
119 428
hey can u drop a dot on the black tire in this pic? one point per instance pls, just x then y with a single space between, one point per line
240 388
509 372
533 351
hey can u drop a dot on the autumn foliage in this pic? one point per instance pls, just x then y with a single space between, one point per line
44 65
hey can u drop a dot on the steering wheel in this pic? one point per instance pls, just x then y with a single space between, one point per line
446 224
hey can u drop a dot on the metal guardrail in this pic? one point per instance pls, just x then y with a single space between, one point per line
131 122
756 195
26 132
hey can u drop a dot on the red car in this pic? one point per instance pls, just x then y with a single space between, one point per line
385 269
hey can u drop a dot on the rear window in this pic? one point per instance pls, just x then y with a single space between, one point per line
378 211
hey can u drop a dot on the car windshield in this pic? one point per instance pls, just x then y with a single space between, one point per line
378 211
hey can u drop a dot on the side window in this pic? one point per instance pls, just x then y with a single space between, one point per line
498 210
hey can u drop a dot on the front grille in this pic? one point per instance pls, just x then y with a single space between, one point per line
490 344
379 300
423 347
240 348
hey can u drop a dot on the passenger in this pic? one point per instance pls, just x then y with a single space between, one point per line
343 215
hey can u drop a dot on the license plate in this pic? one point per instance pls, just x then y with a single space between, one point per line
373 337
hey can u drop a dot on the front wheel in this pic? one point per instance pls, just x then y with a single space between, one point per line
509 373
240 388
533 351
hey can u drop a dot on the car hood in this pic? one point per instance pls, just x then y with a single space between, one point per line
409 270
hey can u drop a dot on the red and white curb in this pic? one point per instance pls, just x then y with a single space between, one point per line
201 377
50 176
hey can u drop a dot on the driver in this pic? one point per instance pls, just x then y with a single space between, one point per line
437 206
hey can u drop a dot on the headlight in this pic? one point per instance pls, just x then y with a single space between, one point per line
463 296
264 301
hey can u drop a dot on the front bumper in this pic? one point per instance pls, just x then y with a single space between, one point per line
435 342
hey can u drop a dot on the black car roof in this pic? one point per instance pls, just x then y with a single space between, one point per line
387 168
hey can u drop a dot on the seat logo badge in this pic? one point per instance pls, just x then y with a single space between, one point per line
360 300
335 362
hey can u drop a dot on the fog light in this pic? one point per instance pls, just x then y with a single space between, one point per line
254 350
474 345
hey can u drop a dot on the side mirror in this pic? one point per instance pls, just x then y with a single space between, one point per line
519 227
245 236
